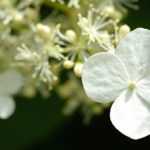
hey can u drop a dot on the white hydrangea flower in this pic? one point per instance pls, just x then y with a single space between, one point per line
123 77
10 83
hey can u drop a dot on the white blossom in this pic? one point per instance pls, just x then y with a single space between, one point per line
92 27
10 83
123 77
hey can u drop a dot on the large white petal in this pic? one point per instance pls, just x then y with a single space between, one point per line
10 82
134 51
104 77
7 107
143 88
131 116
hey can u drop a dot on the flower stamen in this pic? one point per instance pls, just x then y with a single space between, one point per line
131 85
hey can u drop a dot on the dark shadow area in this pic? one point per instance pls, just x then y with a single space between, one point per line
100 134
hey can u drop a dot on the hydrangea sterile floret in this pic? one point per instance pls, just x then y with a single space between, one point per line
123 77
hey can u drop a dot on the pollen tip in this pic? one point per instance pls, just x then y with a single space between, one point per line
131 85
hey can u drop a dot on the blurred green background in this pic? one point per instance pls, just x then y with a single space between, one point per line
39 124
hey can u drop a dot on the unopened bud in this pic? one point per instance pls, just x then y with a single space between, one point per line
78 69
43 30
68 64
71 35
123 31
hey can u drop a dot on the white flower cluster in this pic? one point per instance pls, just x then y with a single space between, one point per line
50 42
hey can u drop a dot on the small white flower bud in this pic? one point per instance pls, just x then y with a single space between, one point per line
43 30
71 35
123 31
68 64
78 69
